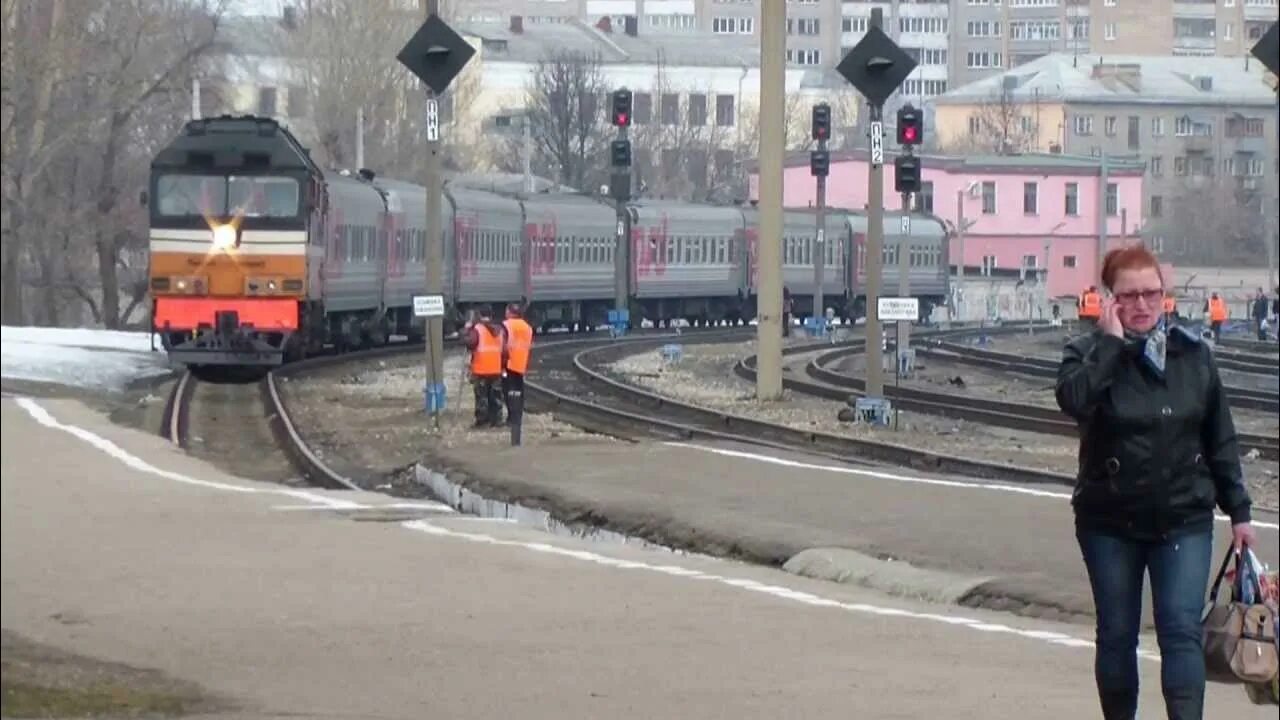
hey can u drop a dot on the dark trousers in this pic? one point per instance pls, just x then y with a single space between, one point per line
513 388
488 400
1179 570
1217 330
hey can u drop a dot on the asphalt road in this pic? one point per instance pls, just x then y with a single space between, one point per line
315 604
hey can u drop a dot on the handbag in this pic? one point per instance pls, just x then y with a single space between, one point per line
1239 636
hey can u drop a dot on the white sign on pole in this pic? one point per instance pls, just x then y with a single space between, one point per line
822 236
906 224
428 306
621 229
433 120
898 308
877 143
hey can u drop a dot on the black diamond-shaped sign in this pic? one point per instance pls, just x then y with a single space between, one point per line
436 54
1268 49
876 66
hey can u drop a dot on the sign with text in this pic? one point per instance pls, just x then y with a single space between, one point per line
877 143
898 308
428 306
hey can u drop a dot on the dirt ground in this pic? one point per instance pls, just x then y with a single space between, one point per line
44 682
704 377
382 428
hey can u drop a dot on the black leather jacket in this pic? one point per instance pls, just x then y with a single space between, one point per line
1155 454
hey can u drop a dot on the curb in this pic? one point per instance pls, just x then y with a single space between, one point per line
900 579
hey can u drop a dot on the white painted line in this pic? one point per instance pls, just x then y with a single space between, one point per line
755 586
975 485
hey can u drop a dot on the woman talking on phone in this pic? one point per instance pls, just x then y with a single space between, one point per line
1157 452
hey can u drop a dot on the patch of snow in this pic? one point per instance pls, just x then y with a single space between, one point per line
81 357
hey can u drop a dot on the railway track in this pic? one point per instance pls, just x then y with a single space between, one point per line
1019 416
571 383
1246 398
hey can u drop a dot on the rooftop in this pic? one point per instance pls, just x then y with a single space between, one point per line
615 46
1127 79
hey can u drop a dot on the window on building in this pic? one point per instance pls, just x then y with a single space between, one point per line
988 197
1113 200
1030 262
697 109
266 101
1135 129
988 265
641 108
807 26
1109 126
1030 198
1083 124
854 24
1157 166
924 198
1068 261
1157 244
724 111
670 109
1157 127
979 59
1157 206
1109 31
1071 200
975 125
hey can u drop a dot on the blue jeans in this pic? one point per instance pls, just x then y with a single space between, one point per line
1179 570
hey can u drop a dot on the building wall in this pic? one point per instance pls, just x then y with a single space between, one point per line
1008 235
1047 121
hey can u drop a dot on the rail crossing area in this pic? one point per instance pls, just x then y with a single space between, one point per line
159 520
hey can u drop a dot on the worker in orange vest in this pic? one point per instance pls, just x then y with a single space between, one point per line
1091 305
1217 309
515 363
485 339
1169 308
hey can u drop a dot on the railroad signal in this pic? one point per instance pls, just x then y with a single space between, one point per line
910 126
819 163
822 121
876 66
620 153
622 108
1268 49
906 174
436 54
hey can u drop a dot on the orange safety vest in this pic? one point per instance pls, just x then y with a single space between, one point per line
519 343
486 359
1092 305
1170 305
1217 310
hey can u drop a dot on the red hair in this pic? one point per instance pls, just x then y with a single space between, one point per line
1132 257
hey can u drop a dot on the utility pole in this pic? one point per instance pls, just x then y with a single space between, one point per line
773 18
960 228
819 167
359 138
526 130
195 98
1103 178
435 54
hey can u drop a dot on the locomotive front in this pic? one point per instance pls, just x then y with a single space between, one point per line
231 201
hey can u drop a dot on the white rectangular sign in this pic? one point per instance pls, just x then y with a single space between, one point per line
898 308
428 305
877 143
433 120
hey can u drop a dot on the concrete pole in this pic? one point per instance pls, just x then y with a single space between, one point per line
434 255
960 251
1103 179
195 98
904 272
527 152
773 20
622 247
359 138
820 245
875 261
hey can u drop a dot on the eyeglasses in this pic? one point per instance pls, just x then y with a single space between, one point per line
1150 297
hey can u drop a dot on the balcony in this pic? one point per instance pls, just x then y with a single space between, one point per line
1195 44
1197 143
1194 9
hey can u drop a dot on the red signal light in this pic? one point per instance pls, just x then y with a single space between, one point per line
621 119
909 134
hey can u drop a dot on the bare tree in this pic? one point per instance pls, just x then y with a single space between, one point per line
1002 125
1214 220
563 109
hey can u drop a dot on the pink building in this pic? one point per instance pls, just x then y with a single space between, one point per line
1020 211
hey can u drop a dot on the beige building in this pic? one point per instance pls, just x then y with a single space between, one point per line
1206 128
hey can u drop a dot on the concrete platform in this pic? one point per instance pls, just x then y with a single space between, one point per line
299 603
999 546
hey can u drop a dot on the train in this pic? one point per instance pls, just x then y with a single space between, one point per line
259 256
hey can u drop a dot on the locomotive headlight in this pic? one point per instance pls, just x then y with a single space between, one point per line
224 236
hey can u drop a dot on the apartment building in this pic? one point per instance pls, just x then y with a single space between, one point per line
1205 127
989 36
